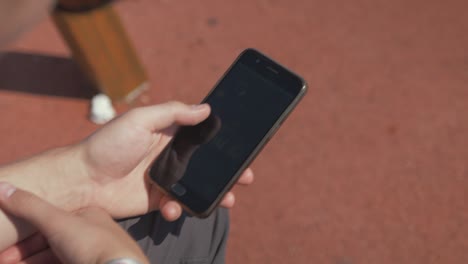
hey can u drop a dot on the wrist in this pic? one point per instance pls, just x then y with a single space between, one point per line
57 176
71 187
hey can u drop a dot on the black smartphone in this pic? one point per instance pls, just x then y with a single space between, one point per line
202 162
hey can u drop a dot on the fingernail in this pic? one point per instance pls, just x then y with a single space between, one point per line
198 107
6 190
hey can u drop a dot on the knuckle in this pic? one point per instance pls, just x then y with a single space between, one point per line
175 104
135 115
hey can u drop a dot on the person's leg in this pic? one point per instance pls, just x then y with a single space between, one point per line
188 240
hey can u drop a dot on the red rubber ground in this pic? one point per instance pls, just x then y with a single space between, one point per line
371 168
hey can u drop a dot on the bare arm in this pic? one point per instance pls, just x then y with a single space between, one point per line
107 169
55 176
94 238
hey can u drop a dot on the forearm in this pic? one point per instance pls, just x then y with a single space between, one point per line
55 176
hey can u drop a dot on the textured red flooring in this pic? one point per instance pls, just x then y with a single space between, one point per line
371 168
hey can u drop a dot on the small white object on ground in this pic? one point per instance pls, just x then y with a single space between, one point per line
101 109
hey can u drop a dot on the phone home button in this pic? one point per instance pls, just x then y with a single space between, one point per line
178 189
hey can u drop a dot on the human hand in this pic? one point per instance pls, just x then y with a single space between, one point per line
117 156
89 236
106 170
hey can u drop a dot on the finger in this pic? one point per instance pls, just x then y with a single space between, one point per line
45 256
246 178
31 208
161 116
24 249
170 209
10 256
228 200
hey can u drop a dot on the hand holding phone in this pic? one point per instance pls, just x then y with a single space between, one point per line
248 105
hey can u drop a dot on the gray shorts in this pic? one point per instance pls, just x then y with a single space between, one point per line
188 240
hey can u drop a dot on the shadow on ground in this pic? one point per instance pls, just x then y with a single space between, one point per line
43 75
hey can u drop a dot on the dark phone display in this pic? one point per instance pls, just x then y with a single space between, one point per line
202 159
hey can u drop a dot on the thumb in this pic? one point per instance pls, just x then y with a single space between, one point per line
161 116
25 205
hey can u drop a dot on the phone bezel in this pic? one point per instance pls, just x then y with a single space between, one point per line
272 70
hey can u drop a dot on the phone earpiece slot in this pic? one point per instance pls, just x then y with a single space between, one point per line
272 70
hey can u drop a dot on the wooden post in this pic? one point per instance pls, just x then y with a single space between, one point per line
101 48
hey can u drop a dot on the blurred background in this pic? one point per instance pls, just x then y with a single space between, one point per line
370 168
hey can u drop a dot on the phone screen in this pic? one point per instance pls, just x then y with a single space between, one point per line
201 160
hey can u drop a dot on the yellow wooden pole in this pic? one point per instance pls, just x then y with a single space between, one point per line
101 47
